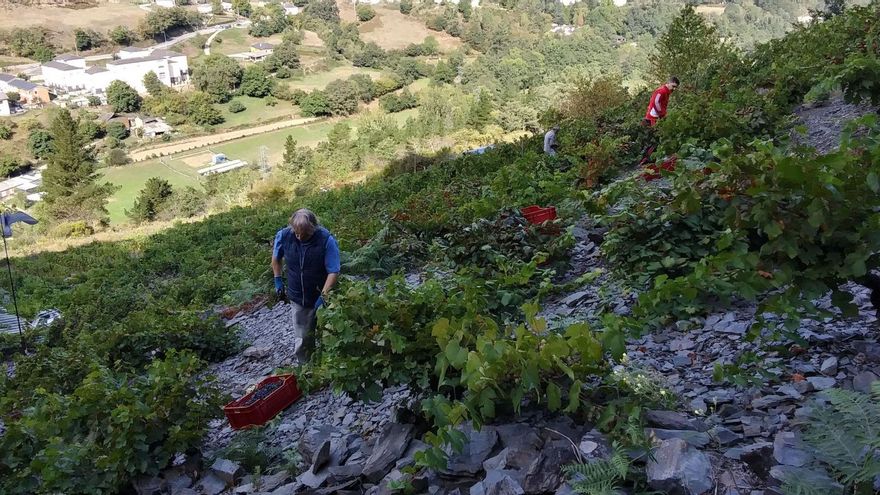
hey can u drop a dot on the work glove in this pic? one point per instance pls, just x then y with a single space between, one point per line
279 289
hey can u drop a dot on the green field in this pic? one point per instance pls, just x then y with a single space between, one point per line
319 80
180 170
131 179
256 112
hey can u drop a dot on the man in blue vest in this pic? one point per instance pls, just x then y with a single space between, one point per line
312 257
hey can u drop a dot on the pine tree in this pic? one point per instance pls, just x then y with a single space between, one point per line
151 200
481 112
295 159
70 180
685 49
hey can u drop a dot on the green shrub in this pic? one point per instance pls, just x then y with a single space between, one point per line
236 106
365 12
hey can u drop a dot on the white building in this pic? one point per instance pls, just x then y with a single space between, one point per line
5 107
166 4
205 8
291 9
70 74
28 183
171 67
150 127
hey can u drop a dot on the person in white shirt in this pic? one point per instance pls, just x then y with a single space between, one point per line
550 143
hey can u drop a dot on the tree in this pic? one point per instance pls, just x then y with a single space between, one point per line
365 86
242 7
393 103
117 130
116 157
443 73
71 184
437 22
122 97
11 166
324 10
150 201
121 36
686 48
314 104
86 39
5 131
154 86
480 114
365 12
183 204
342 97
465 9
160 21
369 55
295 159
339 135
236 107
94 101
202 112
90 129
268 20
33 42
406 6
217 75
216 7
430 46
284 55
13 96
40 143
255 82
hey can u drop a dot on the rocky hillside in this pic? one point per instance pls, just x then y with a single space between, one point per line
707 327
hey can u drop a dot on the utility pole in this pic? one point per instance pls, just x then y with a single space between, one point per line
264 161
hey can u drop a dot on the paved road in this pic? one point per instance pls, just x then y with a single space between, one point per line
33 70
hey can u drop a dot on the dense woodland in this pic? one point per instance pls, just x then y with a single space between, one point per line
114 390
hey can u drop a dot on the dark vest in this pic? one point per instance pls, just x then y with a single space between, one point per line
306 273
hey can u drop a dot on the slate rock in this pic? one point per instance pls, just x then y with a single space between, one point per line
287 489
518 436
678 468
789 450
545 472
211 484
478 446
672 420
313 480
829 366
822 382
184 491
564 490
321 457
149 485
724 436
497 483
226 470
313 439
768 401
342 474
270 482
871 350
594 445
389 446
254 352
409 457
759 457
695 438
862 382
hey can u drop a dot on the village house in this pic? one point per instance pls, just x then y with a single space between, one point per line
150 127
291 9
28 92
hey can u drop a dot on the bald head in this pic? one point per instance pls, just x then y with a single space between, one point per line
303 223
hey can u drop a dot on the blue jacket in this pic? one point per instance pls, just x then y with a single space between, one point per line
308 263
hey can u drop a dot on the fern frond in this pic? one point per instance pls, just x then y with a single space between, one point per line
600 477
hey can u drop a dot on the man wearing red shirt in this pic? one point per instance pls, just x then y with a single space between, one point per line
660 101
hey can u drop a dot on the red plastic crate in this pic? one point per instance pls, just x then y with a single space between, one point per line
261 411
537 215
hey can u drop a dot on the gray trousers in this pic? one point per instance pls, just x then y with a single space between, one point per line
304 321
